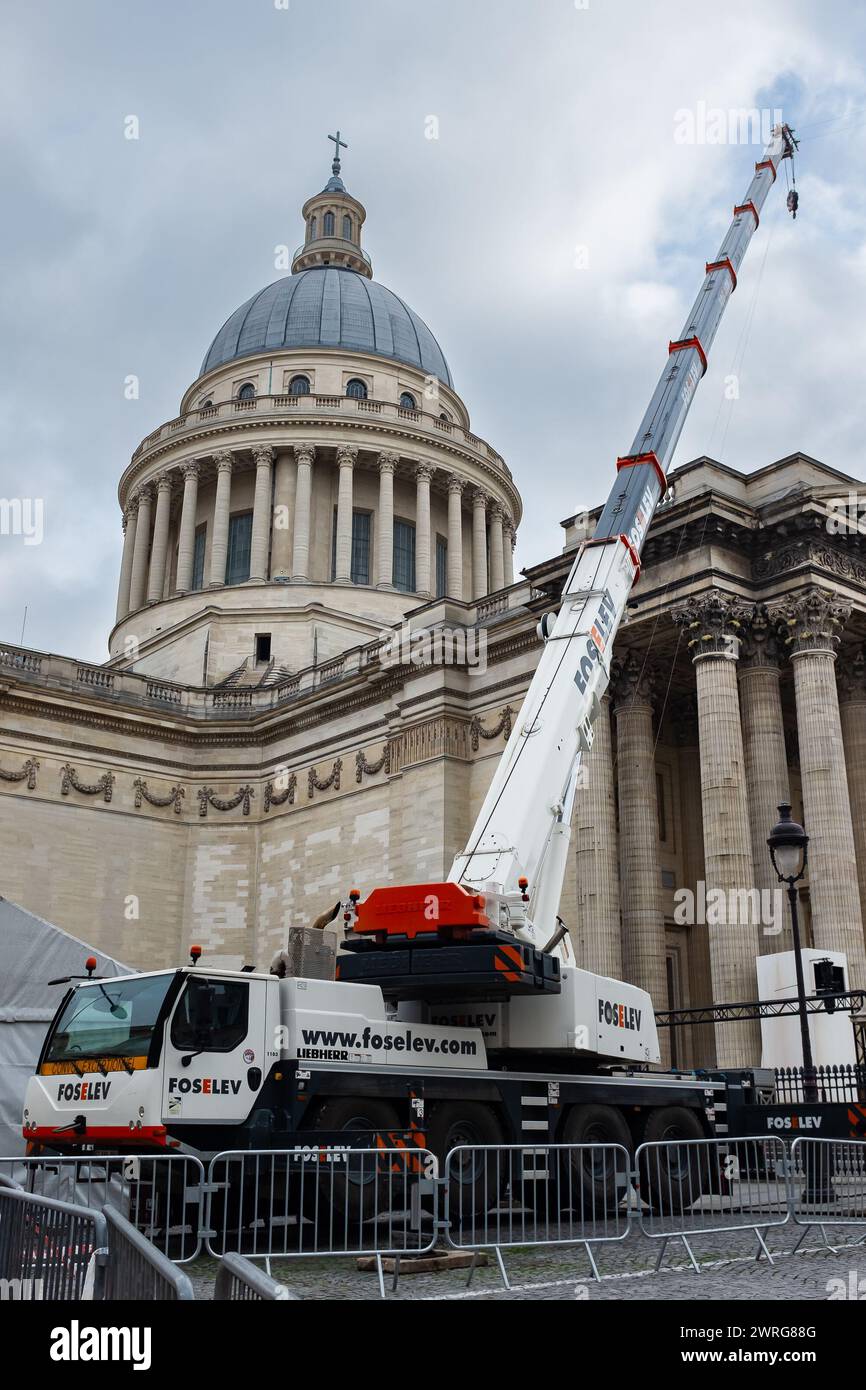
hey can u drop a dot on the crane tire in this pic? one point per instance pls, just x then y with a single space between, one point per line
672 1179
591 1181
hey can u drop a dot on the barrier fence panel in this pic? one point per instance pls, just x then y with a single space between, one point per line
828 1184
46 1247
333 1200
501 1195
691 1187
239 1280
137 1271
160 1194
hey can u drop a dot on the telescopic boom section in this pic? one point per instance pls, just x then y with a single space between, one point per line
523 827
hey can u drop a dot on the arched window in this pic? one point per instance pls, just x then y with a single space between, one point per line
299 386
407 401
206 405
329 224
357 389
347 227
443 415
247 392
314 222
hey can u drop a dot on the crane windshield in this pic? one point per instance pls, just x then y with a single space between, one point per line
110 1018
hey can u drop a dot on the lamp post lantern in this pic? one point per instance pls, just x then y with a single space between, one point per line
789 843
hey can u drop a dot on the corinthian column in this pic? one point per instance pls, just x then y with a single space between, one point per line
186 537
455 538
346 456
643 926
712 622
284 501
814 620
508 552
129 519
159 550
765 755
385 521
261 528
479 544
851 680
219 543
141 550
497 558
304 455
423 474
597 929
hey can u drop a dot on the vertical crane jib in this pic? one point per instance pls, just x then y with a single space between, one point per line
522 827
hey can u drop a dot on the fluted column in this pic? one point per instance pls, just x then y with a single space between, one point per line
346 455
261 529
814 620
304 456
598 942
455 538
285 473
765 755
508 552
684 720
159 550
130 515
423 474
219 543
712 623
186 536
497 558
479 544
385 521
643 925
141 552
851 680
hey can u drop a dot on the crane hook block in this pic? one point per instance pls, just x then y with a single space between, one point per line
793 203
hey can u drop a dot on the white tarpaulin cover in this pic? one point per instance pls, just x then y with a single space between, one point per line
32 952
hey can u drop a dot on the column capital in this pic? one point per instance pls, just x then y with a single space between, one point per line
388 461
263 454
851 675
304 453
455 484
633 681
424 470
813 620
224 460
163 482
712 623
144 493
346 455
130 510
480 498
191 468
497 511
762 643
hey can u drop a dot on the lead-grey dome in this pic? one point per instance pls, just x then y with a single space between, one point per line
329 308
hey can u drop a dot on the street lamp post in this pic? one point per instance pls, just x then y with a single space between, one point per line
788 843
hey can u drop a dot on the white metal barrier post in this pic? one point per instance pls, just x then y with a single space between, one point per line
828 1185
693 1187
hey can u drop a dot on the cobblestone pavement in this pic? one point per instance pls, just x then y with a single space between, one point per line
728 1271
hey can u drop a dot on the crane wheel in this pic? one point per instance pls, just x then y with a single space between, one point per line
475 1175
672 1179
361 1189
592 1182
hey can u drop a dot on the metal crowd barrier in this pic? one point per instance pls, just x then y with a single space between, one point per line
238 1279
328 1200
692 1187
137 1271
48 1247
546 1194
828 1184
160 1194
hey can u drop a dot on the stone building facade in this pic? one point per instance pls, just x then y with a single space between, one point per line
320 648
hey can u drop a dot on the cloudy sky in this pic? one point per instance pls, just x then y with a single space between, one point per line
553 235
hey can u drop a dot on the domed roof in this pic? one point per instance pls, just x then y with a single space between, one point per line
328 308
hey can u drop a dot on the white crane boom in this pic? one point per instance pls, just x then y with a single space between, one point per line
523 827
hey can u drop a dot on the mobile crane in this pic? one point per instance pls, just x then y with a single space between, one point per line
456 1008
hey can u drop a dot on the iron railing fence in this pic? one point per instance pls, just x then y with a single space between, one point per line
239 1280
48 1248
160 1195
332 1200
692 1187
137 1271
846 1082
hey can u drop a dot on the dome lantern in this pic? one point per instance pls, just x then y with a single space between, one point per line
333 220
